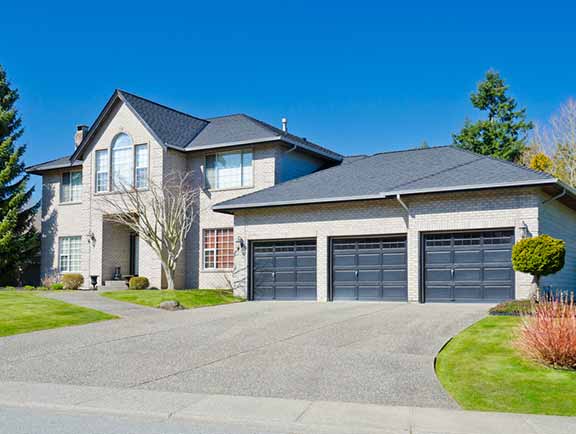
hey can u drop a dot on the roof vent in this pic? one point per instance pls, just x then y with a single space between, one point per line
285 125
81 131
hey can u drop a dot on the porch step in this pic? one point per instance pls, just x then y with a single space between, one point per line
115 284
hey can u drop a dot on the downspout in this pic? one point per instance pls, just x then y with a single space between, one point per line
403 204
558 196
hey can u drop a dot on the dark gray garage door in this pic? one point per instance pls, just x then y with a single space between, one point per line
369 269
472 266
284 270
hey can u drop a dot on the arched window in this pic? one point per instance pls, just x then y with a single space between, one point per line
122 162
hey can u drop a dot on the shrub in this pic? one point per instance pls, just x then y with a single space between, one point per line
549 335
138 282
42 288
29 288
72 280
56 286
9 288
539 256
50 279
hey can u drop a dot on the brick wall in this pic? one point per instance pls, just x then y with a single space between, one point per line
507 208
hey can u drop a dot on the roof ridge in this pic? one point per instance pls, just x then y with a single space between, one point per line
448 169
161 105
511 163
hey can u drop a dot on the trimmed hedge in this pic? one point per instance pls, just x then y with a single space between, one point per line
72 280
56 286
138 282
539 256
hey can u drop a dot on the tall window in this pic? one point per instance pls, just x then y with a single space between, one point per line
71 187
229 170
218 249
102 170
69 251
122 162
141 166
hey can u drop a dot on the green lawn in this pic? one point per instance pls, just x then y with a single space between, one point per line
189 298
482 371
23 312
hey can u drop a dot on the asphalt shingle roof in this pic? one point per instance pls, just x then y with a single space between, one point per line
403 172
172 127
58 163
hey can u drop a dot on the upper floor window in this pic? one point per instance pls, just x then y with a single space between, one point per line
122 162
229 170
124 165
71 187
102 173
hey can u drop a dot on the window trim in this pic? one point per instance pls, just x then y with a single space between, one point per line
215 250
108 148
60 239
232 151
96 173
70 202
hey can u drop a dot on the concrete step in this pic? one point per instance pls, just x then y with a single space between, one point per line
115 284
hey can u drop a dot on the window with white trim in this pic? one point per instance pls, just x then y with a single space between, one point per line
229 170
69 254
102 173
141 166
122 162
71 187
218 249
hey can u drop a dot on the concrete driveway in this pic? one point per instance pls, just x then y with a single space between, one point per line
357 352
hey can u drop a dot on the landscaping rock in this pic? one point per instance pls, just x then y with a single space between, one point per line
171 305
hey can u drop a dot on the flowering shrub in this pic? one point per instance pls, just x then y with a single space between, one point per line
549 335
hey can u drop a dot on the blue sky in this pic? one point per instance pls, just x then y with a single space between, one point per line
359 77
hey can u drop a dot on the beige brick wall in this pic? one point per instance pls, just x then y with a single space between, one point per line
509 208
559 221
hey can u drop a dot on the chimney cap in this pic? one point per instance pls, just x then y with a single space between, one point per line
285 125
81 127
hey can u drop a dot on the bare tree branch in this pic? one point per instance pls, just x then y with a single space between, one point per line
161 215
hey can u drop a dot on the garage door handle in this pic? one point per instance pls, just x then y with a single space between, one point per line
452 273
273 275
356 274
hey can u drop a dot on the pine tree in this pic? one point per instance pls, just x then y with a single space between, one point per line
503 135
19 242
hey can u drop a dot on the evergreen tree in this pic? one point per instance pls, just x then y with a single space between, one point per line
19 242
503 135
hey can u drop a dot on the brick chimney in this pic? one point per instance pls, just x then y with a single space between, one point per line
81 131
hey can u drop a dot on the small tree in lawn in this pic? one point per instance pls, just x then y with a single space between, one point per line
539 256
161 215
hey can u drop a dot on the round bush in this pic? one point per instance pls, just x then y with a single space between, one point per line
539 256
138 282
29 288
56 286
72 280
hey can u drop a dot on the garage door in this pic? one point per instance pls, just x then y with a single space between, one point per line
472 266
284 270
369 269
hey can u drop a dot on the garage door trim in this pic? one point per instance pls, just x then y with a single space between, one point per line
351 237
250 262
422 255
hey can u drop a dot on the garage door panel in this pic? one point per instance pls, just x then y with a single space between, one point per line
284 270
468 257
478 266
499 255
369 292
365 276
467 292
467 274
438 275
498 292
398 258
341 260
342 292
306 277
439 257
369 259
369 269
492 274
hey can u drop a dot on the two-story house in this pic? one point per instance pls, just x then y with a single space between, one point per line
282 218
